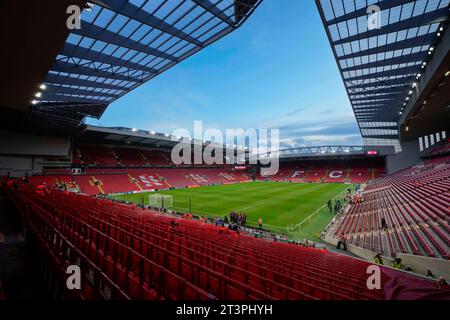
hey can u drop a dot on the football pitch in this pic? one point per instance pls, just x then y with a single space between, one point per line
279 203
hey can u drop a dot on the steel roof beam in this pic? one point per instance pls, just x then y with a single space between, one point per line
381 82
69 99
58 79
369 97
76 91
399 45
388 73
418 56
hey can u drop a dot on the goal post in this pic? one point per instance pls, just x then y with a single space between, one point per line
160 200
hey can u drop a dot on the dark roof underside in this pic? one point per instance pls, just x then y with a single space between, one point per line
122 44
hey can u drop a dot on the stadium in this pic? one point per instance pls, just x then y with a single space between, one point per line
106 212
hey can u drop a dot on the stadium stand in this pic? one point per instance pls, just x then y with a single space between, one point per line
113 180
129 157
153 157
133 253
416 206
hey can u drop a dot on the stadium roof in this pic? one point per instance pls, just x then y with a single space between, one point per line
143 138
380 66
124 43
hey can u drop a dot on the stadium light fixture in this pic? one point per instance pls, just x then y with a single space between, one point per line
410 92
38 94
34 102
447 73
134 129
407 98
152 132
42 87
167 135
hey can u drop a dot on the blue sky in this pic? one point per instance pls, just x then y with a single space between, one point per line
276 71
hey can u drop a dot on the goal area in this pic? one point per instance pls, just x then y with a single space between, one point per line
160 200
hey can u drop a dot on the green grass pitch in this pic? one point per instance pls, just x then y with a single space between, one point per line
279 203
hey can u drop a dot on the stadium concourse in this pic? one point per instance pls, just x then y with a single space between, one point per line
384 222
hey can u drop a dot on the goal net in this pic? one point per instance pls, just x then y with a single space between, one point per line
160 200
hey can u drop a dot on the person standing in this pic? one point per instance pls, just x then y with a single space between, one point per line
260 222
